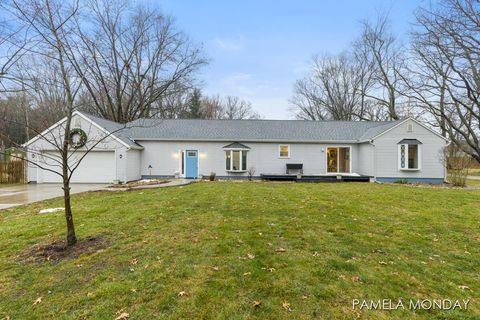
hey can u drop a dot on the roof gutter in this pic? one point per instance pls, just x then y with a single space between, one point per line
250 140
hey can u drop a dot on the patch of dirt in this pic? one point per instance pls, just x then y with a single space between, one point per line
58 250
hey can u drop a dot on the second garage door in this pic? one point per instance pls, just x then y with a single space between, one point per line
96 167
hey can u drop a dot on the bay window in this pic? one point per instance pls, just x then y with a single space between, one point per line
236 160
409 155
236 157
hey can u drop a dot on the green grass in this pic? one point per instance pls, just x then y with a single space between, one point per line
400 241
473 182
474 172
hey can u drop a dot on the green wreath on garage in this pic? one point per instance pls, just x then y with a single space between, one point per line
77 138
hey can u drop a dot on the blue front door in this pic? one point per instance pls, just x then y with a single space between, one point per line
192 164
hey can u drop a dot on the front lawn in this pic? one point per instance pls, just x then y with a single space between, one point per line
474 172
473 182
247 250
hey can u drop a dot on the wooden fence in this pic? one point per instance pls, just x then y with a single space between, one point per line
13 172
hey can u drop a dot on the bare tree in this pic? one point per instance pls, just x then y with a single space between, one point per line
447 44
331 91
212 107
380 50
235 108
47 69
131 59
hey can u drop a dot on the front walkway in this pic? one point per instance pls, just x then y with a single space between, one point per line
171 183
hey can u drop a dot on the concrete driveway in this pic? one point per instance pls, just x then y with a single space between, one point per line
28 193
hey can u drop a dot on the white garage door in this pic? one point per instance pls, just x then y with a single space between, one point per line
96 167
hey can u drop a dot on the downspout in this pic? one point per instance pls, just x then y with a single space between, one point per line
445 165
374 160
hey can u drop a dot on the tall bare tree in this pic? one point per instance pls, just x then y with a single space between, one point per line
131 58
447 47
382 53
331 91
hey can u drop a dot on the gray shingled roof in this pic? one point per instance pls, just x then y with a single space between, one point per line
257 130
246 130
236 145
121 131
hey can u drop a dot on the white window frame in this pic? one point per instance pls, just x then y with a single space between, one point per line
241 159
279 148
419 157
326 159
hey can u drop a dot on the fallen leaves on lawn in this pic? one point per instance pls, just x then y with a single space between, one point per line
286 306
256 303
383 263
89 294
6 318
280 250
215 268
250 256
247 274
39 300
316 254
133 290
134 261
146 266
270 269
182 293
304 297
356 279
463 287
123 316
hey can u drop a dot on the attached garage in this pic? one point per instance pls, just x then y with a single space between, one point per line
96 167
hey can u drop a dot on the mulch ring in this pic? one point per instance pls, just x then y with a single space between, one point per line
58 250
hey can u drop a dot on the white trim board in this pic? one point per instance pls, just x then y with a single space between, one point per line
402 122
49 129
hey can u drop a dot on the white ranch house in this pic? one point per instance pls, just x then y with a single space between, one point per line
152 148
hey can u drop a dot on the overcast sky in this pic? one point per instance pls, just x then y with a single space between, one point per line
257 49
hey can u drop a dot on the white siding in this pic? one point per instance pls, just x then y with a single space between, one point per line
386 153
164 157
366 163
132 166
48 145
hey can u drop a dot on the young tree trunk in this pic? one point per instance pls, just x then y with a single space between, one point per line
71 237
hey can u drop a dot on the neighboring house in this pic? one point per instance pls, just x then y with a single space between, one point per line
152 148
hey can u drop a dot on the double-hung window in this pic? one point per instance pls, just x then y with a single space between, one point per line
284 151
409 154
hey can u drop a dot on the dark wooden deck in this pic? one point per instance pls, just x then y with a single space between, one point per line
314 178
